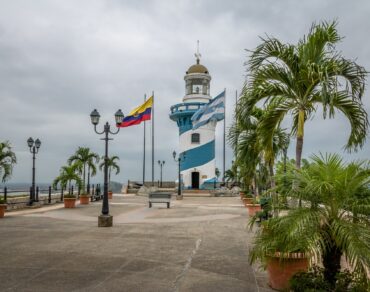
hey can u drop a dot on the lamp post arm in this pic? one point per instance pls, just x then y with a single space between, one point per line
96 131
114 133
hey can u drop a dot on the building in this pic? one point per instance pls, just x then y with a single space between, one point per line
198 146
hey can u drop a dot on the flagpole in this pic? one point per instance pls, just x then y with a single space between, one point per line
153 140
237 137
224 153
144 147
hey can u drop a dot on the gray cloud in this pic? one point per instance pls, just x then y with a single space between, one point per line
61 59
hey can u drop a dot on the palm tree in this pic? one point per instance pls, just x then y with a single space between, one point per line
7 160
67 175
254 144
112 165
84 158
296 79
332 221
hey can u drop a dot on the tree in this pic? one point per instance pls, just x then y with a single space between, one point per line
256 146
112 165
296 79
67 175
7 161
332 221
83 158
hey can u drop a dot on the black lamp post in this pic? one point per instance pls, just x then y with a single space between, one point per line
34 149
161 164
179 159
105 220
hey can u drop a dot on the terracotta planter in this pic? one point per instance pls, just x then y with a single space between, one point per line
280 270
253 209
84 200
110 195
2 210
247 201
69 202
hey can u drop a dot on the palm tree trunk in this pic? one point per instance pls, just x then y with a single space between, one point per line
83 188
109 176
273 191
331 262
300 134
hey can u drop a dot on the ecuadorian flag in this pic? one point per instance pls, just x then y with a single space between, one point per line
139 114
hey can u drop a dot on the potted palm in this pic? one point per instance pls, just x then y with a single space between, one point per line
247 197
68 174
112 165
83 158
7 160
3 206
332 221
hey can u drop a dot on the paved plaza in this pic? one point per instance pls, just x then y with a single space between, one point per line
199 244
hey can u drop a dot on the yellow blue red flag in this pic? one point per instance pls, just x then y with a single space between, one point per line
139 114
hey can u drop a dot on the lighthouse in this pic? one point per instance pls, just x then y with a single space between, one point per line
197 147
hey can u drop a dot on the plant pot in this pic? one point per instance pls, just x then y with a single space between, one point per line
247 201
241 195
253 209
110 195
69 202
2 210
84 200
281 270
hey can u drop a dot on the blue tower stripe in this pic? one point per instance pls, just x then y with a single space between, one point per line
198 156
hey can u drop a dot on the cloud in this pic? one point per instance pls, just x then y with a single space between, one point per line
61 59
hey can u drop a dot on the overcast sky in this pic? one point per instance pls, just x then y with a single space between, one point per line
61 59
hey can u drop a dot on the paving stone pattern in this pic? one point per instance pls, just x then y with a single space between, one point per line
199 244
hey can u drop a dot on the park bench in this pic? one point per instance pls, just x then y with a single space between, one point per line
159 197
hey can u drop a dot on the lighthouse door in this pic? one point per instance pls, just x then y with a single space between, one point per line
195 180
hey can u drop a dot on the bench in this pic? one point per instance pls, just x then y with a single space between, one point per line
159 197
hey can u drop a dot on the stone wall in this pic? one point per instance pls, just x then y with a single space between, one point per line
21 202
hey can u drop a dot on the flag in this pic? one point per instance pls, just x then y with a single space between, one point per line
139 114
214 110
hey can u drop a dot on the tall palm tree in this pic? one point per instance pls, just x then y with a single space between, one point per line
112 165
296 79
333 220
7 160
82 158
255 144
67 175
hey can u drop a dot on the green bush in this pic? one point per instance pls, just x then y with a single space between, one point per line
2 200
314 281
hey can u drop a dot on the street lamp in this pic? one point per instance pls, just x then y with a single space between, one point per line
34 149
106 220
161 163
179 159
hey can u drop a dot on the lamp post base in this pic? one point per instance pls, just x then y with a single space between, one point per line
179 197
105 221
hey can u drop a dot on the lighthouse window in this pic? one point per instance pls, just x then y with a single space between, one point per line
195 138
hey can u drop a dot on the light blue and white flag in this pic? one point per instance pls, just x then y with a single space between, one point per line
212 111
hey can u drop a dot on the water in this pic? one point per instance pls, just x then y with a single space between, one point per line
21 189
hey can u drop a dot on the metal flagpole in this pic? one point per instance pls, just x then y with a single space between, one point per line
223 178
237 137
144 147
153 140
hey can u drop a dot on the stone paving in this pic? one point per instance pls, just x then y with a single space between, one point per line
199 244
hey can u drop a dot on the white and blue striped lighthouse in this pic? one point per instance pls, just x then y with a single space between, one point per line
198 167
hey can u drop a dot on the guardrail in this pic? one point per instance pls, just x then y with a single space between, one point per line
51 194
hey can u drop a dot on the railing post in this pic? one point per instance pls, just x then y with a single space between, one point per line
5 194
49 200
37 194
61 195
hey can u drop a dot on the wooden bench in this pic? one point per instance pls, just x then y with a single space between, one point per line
159 197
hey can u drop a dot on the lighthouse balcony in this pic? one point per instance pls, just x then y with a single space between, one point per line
181 110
